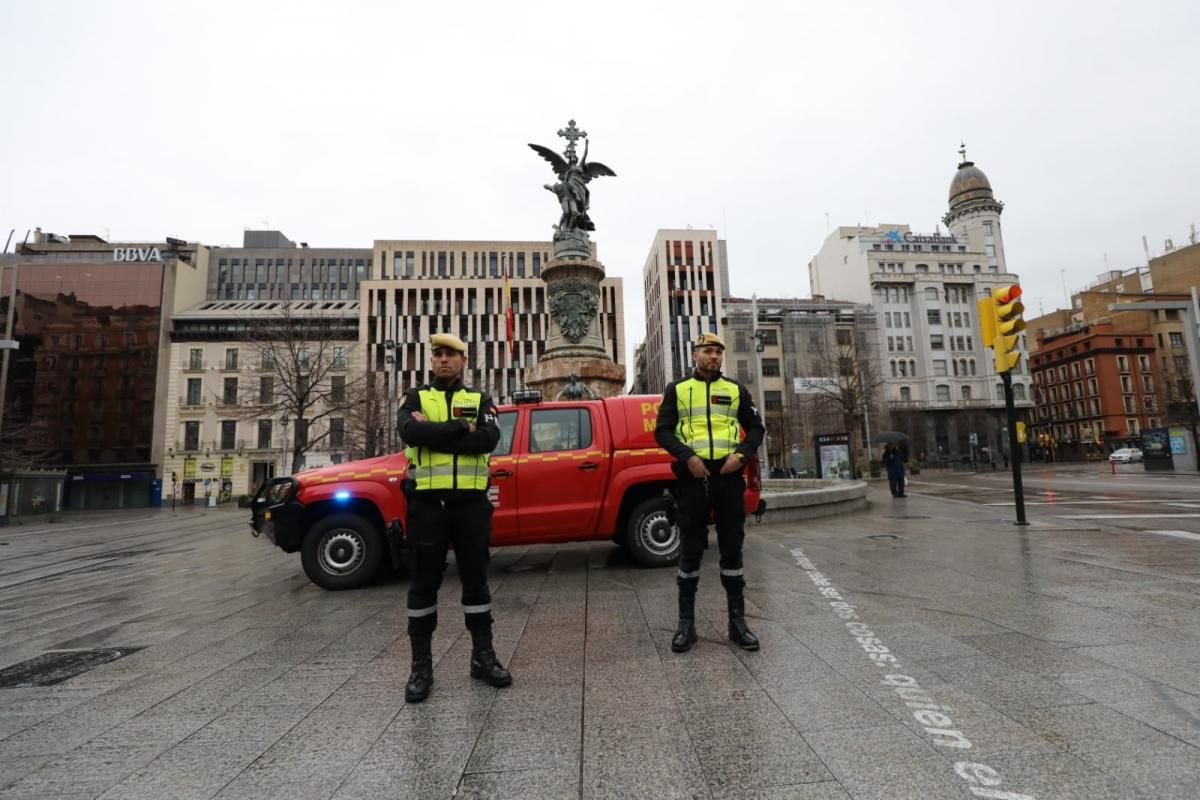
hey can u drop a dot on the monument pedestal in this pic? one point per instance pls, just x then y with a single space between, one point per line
574 346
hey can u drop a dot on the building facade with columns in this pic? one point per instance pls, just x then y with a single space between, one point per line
940 382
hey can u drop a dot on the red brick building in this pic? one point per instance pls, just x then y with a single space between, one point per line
1093 390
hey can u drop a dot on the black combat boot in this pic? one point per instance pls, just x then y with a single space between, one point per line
484 664
420 680
739 634
685 634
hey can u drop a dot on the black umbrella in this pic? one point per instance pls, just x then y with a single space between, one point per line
889 437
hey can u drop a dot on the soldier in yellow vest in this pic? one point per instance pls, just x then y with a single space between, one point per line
449 430
699 423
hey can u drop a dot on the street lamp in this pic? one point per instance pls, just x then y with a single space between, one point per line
283 449
759 346
390 360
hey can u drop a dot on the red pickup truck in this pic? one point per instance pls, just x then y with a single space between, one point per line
564 471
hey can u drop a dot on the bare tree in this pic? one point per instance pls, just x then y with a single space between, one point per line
366 419
1179 404
27 445
855 384
304 360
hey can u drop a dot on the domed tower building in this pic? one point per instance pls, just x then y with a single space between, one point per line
935 379
974 213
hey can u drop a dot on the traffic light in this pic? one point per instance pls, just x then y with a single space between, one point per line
1006 325
1021 432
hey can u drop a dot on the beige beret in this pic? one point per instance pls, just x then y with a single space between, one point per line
707 340
447 340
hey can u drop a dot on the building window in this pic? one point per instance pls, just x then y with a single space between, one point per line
1018 391
231 358
301 434
339 358
1131 424
1144 363
939 367
936 342
934 316
193 391
987 229
264 434
966 393
931 293
990 249
191 436
770 367
229 397
770 336
196 358
943 392
337 388
228 434
337 432
893 363
905 394
773 401
1175 338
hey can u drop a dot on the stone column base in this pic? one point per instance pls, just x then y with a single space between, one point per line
597 372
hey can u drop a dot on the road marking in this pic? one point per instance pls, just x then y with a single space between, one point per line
1123 516
1179 534
928 713
1184 505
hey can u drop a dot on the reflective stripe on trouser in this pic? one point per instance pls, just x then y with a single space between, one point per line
465 521
725 496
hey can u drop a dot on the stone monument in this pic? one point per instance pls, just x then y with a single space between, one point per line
575 363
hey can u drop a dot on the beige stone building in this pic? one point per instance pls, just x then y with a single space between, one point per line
227 423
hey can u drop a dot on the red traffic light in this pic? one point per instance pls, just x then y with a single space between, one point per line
1007 294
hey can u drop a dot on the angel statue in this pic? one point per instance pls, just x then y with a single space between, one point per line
574 174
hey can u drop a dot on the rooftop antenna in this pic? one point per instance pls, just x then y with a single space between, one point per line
1192 235
1146 247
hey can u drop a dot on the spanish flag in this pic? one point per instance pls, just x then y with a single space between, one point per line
508 317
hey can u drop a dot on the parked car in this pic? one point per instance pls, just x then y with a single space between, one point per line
1125 455
564 471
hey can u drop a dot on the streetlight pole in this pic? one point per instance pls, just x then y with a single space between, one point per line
758 376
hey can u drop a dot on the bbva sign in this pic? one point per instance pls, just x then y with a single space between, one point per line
136 254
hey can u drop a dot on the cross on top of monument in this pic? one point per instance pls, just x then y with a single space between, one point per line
962 151
571 134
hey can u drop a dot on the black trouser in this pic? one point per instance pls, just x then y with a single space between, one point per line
435 520
724 496
896 482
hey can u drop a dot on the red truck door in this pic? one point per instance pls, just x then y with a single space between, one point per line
502 487
563 472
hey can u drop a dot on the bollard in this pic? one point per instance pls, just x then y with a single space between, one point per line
1113 464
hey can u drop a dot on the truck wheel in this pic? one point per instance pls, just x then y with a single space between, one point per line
650 537
342 551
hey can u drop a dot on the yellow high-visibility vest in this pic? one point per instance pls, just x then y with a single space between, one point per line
708 414
435 470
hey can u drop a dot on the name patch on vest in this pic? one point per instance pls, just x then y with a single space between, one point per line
465 411
719 399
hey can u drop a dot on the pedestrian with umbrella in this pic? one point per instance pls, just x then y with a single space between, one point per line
893 461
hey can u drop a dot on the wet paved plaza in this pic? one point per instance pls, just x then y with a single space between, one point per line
925 649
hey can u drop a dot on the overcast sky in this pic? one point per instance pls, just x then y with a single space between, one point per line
344 123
